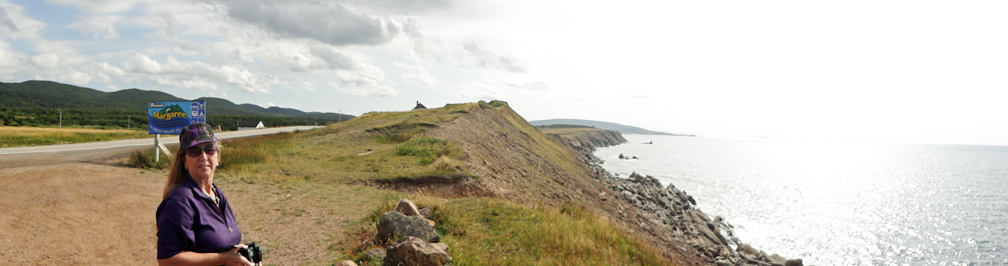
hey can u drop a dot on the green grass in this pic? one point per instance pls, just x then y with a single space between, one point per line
373 147
485 231
332 168
428 149
145 159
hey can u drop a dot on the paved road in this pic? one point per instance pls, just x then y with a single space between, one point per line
167 139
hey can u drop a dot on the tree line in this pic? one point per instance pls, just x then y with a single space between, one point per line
41 116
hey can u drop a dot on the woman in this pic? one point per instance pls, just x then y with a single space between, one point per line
194 219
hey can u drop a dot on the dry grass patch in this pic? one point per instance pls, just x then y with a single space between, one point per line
38 136
303 223
485 231
370 148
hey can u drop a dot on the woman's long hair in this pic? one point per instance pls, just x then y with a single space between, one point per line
177 173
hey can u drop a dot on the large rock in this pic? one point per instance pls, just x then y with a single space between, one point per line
346 263
407 207
747 249
416 252
645 180
426 212
375 253
395 225
776 260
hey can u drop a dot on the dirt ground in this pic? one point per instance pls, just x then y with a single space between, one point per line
77 208
85 208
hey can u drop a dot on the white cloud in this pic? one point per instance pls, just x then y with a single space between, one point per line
8 57
416 74
252 82
480 56
199 85
368 82
6 20
99 6
169 32
430 42
46 60
76 77
16 25
332 24
533 85
97 27
480 91
311 59
392 7
105 72
144 64
237 56
334 59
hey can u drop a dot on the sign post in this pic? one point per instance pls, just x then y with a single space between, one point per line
170 118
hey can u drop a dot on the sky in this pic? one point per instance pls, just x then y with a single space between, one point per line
901 71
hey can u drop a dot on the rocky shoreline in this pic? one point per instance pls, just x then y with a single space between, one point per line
671 212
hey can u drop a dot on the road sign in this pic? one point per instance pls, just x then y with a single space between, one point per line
171 117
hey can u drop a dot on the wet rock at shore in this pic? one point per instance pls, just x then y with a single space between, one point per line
673 210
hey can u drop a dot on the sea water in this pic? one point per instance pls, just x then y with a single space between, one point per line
840 203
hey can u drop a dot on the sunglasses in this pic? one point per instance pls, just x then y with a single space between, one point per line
210 150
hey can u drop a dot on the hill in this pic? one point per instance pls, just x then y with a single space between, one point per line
40 103
624 129
500 191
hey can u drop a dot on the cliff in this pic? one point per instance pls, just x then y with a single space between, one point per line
555 166
587 139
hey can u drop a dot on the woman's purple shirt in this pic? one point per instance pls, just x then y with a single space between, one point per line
188 220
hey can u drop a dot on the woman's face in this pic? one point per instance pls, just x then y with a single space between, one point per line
201 160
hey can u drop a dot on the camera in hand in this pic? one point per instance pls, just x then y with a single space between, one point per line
252 252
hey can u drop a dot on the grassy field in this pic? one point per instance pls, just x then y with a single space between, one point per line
331 172
38 136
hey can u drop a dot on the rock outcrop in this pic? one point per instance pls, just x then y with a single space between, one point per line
587 141
394 224
673 211
413 239
416 251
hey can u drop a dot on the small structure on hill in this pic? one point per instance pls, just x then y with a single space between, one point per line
419 106
250 124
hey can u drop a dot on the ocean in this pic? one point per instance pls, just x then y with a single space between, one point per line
840 203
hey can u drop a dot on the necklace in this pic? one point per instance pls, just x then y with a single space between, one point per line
215 198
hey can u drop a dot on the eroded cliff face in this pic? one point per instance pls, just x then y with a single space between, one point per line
514 160
587 140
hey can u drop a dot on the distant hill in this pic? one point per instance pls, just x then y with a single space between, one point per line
623 129
35 103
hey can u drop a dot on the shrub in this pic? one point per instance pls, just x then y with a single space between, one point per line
429 149
145 159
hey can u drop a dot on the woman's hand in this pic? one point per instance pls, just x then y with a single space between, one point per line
233 258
